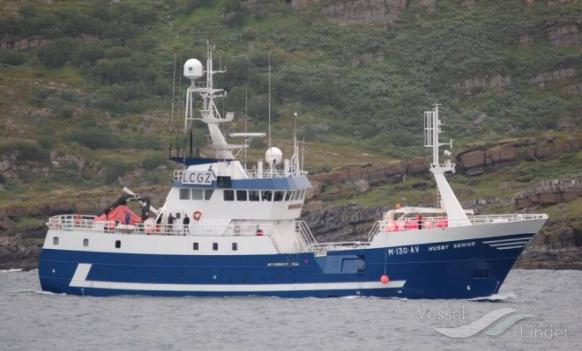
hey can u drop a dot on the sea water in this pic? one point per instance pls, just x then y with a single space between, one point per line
35 320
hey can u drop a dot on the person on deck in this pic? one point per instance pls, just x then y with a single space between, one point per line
170 223
159 223
419 220
127 218
186 224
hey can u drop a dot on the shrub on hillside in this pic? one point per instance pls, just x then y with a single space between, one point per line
153 161
233 12
113 169
96 138
26 151
58 52
11 57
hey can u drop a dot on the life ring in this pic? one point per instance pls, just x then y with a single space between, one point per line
260 232
149 228
196 215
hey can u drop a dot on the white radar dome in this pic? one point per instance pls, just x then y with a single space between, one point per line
274 155
193 69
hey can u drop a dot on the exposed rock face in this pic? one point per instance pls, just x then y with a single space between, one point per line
557 246
561 75
552 3
573 89
364 11
549 193
474 85
539 258
475 160
373 174
563 34
303 3
472 161
361 185
343 223
22 44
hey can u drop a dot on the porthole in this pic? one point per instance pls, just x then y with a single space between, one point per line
117 244
234 246
215 246
55 240
195 246
85 242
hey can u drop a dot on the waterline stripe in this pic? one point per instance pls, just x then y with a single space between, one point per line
510 247
504 240
509 244
79 280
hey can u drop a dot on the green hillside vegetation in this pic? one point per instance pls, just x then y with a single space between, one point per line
100 86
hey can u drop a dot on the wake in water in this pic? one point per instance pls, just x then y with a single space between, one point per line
33 291
496 297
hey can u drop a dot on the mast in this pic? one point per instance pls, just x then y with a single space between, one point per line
269 99
209 113
449 202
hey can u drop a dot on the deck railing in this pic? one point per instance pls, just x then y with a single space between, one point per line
407 224
305 234
90 223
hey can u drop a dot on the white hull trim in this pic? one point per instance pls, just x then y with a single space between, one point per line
79 280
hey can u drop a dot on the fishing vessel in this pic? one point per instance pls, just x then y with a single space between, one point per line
227 229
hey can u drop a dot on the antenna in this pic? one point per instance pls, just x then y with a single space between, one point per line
303 154
269 99
173 89
246 122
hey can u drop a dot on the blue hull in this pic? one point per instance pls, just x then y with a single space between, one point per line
464 269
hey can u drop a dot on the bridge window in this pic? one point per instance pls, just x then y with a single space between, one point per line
197 194
279 195
234 246
241 195
288 195
228 195
208 194
301 195
254 195
294 196
195 246
267 195
185 194
215 246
